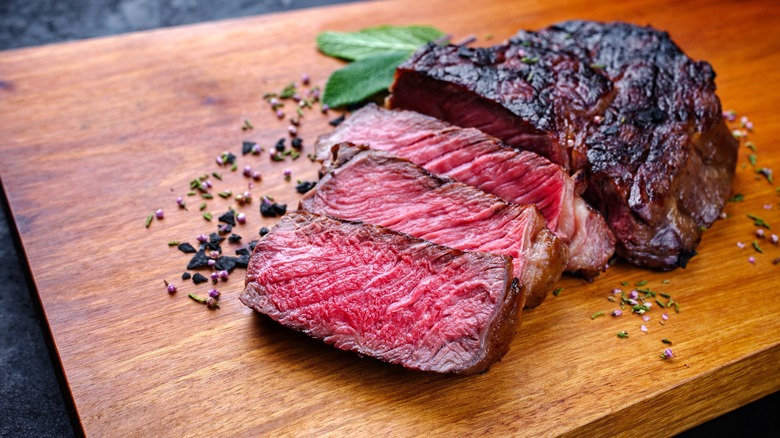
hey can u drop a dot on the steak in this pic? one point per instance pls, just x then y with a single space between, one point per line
474 158
379 188
385 294
620 103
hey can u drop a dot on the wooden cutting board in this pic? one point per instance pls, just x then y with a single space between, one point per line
95 135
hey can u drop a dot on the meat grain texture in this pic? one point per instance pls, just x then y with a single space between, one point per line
474 158
385 294
620 103
382 189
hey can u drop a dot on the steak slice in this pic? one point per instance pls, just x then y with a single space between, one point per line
620 103
385 294
476 159
379 188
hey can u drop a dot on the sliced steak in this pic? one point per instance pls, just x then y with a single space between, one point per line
620 103
474 158
385 294
379 188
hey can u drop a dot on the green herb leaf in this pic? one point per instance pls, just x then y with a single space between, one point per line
666 282
752 158
372 41
362 79
642 283
750 145
288 91
623 334
666 341
757 221
173 243
757 248
596 315
558 291
739 197
207 216
149 220
196 298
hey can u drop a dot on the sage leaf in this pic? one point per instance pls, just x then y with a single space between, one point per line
362 79
371 41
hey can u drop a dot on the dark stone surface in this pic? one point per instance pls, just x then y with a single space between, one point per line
31 403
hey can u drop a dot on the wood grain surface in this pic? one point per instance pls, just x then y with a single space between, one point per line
95 135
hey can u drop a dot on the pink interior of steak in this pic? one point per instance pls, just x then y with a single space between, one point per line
379 188
474 158
463 107
385 294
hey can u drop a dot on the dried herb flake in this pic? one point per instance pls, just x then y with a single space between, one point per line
596 315
757 221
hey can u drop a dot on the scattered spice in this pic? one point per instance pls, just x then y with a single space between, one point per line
667 354
337 121
272 209
199 278
616 313
596 315
186 276
759 222
766 173
304 186
247 147
229 218
185 248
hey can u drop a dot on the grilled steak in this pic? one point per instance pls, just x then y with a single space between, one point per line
379 188
385 294
620 103
474 158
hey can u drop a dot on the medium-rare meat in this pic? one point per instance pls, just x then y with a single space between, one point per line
382 189
385 294
474 158
620 103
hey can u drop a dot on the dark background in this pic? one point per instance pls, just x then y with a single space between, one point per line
31 403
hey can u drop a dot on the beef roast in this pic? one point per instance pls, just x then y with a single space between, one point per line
474 158
620 103
385 294
382 189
